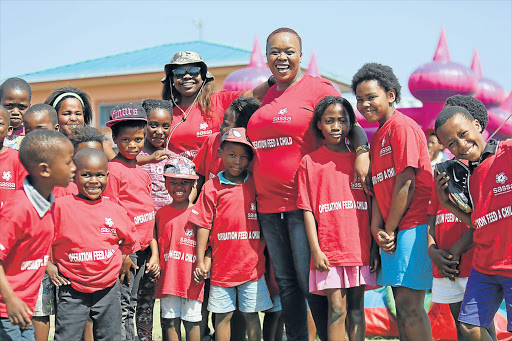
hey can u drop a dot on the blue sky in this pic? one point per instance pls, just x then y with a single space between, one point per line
37 35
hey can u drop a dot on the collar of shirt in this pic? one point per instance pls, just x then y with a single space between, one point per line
40 204
225 181
490 148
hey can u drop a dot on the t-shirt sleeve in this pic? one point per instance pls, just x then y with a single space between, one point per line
303 200
126 232
200 159
8 237
324 88
406 148
203 211
22 174
433 207
112 190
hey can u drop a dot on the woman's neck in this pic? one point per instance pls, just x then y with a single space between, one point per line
186 101
284 86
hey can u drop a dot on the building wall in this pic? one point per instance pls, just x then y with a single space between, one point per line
124 88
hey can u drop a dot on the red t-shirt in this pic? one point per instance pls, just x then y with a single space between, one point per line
63 191
130 187
338 204
187 137
208 162
491 189
229 211
90 238
12 174
449 229
177 246
398 144
25 241
280 131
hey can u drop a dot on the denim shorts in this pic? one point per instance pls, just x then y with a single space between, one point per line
484 294
11 332
180 307
252 297
409 265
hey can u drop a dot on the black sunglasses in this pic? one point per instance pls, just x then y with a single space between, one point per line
193 71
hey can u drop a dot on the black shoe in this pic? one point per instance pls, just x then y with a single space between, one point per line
458 185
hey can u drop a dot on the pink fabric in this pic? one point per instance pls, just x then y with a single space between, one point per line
340 277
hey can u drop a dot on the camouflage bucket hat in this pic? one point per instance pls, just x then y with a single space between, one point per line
184 58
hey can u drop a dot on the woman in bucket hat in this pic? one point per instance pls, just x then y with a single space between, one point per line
198 110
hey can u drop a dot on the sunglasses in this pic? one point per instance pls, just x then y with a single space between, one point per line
193 71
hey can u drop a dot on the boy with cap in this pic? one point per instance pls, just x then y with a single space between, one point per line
490 222
11 170
91 233
180 297
227 208
28 229
130 186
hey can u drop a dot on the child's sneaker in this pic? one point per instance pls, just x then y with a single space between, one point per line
458 185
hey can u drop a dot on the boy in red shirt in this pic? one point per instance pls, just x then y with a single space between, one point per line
130 186
180 297
28 229
402 181
490 222
12 171
226 207
93 235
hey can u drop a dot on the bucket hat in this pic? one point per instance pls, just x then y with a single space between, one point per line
180 167
184 58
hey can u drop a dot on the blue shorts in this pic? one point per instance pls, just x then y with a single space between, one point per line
484 294
409 265
276 304
252 297
11 332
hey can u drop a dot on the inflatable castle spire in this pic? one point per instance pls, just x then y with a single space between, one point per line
251 76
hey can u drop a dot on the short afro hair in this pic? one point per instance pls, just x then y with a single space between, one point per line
152 104
41 145
116 128
283 30
448 113
15 83
87 108
86 134
6 114
243 108
84 155
325 103
41 107
475 107
384 76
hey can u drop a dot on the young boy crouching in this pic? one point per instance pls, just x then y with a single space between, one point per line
226 208
92 235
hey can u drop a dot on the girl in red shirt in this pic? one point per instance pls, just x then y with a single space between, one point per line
337 221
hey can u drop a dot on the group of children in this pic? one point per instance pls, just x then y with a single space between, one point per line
149 223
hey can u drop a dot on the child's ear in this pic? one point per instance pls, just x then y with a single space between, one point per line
44 169
57 127
391 96
478 126
10 130
219 152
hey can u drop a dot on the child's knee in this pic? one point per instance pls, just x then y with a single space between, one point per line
169 323
471 332
356 315
338 311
